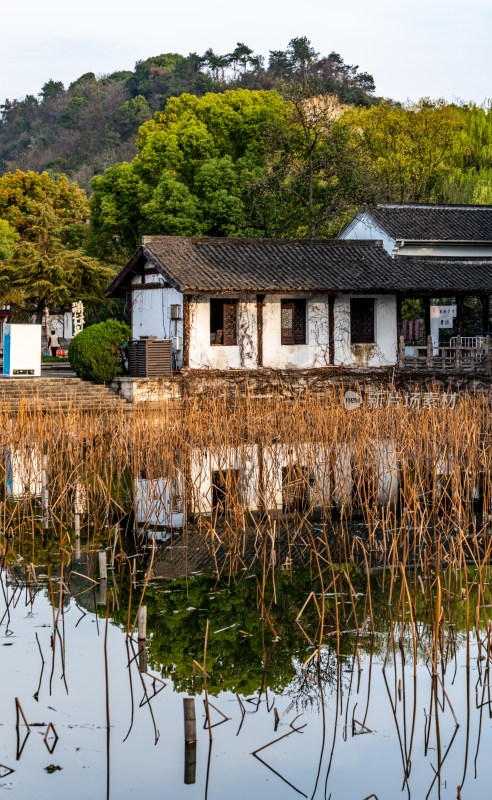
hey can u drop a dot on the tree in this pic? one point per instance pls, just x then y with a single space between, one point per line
44 272
44 224
316 173
411 147
24 194
240 58
301 56
50 90
8 238
192 174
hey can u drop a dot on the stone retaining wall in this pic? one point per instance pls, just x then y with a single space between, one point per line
291 383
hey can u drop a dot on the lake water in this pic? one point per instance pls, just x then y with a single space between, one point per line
316 579
361 731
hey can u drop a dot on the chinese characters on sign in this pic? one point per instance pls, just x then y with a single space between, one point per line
78 317
444 315
376 399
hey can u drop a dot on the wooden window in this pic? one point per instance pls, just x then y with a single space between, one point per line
293 322
295 489
223 322
226 491
362 320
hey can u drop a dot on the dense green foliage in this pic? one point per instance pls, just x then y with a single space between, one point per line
246 163
95 353
43 228
83 129
8 238
196 164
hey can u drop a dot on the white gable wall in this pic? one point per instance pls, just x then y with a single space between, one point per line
151 313
365 227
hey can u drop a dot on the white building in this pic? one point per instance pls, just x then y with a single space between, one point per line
253 303
236 303
454 242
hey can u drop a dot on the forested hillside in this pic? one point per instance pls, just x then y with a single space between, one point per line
82 129
213 146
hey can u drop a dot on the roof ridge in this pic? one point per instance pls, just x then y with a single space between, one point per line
259 242
437 206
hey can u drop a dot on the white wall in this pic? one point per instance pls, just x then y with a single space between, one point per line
365 227
315 353
204 355
151 313
24 473
155 502
152 317
203 463
384 351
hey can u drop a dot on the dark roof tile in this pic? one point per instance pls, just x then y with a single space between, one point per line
217 266
426 222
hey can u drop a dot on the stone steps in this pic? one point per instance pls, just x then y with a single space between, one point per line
64 393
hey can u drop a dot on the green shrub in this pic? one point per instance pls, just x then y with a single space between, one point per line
95 353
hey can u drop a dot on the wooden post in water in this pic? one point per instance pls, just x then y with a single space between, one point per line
142 624
103 570
401 353
142 638
430 352
190 762
189 719
44 490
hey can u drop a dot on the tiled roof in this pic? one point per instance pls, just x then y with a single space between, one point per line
451 275
194 265
263 265
426 222
269 264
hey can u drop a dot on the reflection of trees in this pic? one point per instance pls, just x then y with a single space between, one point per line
243 655
239 638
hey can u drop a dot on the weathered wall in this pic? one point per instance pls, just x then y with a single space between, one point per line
152 316
157 502
315 353
204 355
384 350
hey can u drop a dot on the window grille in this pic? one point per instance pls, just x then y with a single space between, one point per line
293 321
362 320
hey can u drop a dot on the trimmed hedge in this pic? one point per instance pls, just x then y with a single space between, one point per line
95 353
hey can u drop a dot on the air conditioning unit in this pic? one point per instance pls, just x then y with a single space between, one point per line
175 312
177 344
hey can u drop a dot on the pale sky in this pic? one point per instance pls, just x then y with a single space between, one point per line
413 48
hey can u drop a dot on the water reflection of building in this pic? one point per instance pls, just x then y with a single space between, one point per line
158 503
24 470
280 480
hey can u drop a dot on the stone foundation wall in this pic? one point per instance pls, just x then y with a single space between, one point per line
292 383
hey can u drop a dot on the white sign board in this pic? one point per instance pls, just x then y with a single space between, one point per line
22 350
441 317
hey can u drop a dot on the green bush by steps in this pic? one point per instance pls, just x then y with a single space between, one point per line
95 353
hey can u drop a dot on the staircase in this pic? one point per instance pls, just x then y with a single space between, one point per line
58 393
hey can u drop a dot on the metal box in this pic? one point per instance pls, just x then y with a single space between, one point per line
175 312
150 357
